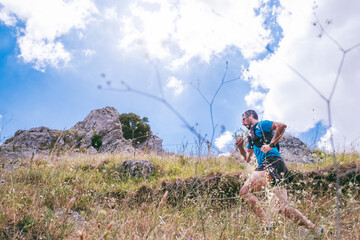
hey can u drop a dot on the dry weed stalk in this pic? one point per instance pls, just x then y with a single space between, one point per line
82 234
54 148
357 230
211 102
102 163
163 199
107 230
67 210
68 207
30 164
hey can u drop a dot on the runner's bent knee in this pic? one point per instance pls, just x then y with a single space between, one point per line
245 189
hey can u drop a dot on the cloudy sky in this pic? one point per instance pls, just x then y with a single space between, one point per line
279 57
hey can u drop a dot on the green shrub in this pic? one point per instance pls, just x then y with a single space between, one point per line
96 141
133 127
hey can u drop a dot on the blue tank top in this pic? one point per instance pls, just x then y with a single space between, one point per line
260 128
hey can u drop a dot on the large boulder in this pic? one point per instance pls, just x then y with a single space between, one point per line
294 150
137 168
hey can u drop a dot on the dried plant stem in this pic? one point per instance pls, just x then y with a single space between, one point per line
30 163
54 148
107 231
211 103
65 215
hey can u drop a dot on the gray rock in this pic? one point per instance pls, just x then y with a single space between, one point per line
44 141
294 150
152 144
72 216
137 168
25 143
91 150
105 123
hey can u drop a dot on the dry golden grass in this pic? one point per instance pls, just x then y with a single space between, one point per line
86 197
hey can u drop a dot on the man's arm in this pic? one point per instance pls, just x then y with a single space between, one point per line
250 154
279 129
239 143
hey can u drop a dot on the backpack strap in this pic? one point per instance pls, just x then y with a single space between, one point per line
265 138
251 143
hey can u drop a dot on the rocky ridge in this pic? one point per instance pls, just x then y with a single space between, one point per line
102 122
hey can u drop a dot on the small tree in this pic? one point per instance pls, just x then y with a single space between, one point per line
134 127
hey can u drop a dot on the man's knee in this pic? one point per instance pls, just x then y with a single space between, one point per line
281 208
286 210
244 191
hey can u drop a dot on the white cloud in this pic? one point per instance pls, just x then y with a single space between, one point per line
45 22
111 13
42 53
8 19
224 140
183 30
81 35
325 143
175 84
89 52
289 98
254 100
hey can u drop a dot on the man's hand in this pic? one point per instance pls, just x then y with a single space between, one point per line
266 148
239 142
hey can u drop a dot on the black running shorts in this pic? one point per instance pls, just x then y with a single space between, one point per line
276 168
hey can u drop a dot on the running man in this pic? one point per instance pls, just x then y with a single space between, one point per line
271 168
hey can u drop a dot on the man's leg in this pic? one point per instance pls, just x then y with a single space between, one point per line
282 205
256 182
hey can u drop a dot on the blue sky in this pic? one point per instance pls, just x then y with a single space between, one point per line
53 55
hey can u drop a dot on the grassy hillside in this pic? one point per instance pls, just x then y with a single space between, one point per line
90 197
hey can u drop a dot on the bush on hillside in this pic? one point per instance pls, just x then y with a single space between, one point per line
134 127
96 141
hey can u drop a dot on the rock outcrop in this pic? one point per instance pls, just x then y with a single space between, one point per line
103 123
106 124
294 150
152 144
26 142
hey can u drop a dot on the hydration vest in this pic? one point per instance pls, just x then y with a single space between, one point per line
265 138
